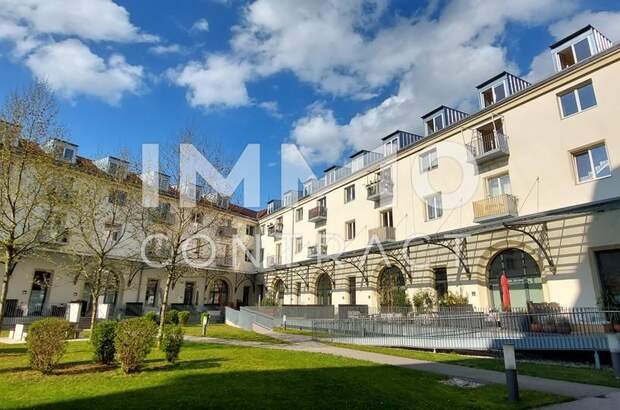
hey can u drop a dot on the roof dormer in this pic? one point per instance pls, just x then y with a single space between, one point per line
113 166
61 150
440 118
290 197
273 206
500 87
310 186
331 174
580 45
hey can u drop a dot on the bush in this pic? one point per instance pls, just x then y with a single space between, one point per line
133 342
171 342
102 340
151 316
423 301
47 342
172 317
453 299
183 317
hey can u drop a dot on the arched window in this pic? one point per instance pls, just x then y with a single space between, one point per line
324 290
391 287
523 275
219 293
279 289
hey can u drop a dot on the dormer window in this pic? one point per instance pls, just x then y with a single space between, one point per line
391 147
578 46
494 94
574 53
434 124
68 154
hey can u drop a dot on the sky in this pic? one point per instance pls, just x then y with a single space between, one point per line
330 76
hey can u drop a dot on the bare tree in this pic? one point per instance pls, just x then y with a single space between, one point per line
108 222
31 192
187 230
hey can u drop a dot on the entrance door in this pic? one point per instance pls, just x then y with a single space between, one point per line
38 292
188 295
609 273
246 295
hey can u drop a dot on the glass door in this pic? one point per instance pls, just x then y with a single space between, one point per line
38 292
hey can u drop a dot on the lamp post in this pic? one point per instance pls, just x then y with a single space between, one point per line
510 365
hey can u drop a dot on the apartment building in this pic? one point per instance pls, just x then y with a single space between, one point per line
527 187
45 282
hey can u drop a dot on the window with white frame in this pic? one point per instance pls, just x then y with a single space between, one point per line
592 163
67 154
349 193
428 160
391 147
574 53
435 124
493 94
249 230
299 244
349 230
299 214
499 185
387 220
577 99
434 209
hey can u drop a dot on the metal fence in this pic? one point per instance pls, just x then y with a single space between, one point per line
561 329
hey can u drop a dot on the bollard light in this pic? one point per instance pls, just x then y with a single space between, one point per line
510 365
284 321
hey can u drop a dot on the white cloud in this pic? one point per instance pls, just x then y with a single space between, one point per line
318 135
606 22
219 81
71 68
201 25
271 107
88 19
162 49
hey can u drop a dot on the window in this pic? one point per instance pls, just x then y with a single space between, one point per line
433 207
278 253
117 197
574 53
299 214
498 185
249 230
151 292
299 244
262 229
434 124
115 235
441 281
577 99
322 203
67 154
493 94
298 289
592 163
352 291
349 193
349 230
387 219
428 160
391 147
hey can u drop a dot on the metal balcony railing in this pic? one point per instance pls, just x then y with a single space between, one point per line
489 146
382 234
317 214
380 188
226 261
495 207
162 217
275 231
226 231
317 250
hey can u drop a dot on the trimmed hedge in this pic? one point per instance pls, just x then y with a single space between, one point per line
183 317
171 342
47 343
133 342
102 340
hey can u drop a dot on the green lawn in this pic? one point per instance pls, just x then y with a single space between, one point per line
221 331
604 377
292 331
218 376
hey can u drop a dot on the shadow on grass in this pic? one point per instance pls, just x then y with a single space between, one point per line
12 349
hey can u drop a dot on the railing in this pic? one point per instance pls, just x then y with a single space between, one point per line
162 218
224 261
226 231
557 329
382 234
317 250
495 207
489 146
380 188
317 214
275 231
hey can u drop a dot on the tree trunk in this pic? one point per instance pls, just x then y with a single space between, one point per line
93 313
4 291
163 308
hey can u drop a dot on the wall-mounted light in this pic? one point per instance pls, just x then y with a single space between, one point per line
24 292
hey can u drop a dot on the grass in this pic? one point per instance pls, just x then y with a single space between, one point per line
221 331
292 331
582 374
218 376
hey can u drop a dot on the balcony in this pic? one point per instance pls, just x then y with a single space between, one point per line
489 146
317 250
495 208
224 261
318 214
226 231
382 188
382 234
166 218
275 231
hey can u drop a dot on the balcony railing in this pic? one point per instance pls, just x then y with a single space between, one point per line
317 250
382 234
275 231
317 214
489 146
494 208
162 218
381 188
226 231
225 261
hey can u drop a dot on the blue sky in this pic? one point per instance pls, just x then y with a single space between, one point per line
330 76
